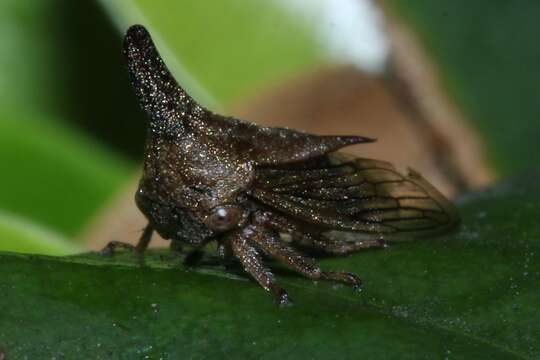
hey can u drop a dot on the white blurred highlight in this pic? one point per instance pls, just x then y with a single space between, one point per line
350 31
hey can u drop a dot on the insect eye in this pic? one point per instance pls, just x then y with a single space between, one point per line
224 218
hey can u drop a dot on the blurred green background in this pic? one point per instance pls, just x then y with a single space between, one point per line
71 133
487 53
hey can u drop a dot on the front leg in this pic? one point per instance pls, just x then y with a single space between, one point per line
138 249
247 254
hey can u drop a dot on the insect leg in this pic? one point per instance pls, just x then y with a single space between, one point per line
175 247
197 257
334 247
224 249
317 241
270 243
194 258
253 264
138 249
146 236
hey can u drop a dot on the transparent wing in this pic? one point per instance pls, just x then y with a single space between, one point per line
340 192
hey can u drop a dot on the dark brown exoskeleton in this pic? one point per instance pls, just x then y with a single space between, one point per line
213 178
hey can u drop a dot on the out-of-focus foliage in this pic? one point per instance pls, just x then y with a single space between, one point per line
488 56
53 175
55 82
472 294
62 59
19 235
223 50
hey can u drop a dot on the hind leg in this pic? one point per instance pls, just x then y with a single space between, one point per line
334 247
246 242
271 244
253 264
317 241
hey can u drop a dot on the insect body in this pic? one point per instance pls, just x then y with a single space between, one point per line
213 178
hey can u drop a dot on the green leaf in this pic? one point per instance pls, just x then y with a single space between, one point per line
76 76
472 294
487 55
29 65
53 175
20 235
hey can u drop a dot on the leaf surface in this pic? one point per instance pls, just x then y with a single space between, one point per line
470 294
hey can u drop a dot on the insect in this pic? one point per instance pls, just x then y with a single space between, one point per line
212 178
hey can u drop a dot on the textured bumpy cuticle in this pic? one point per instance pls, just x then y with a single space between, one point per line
214 178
